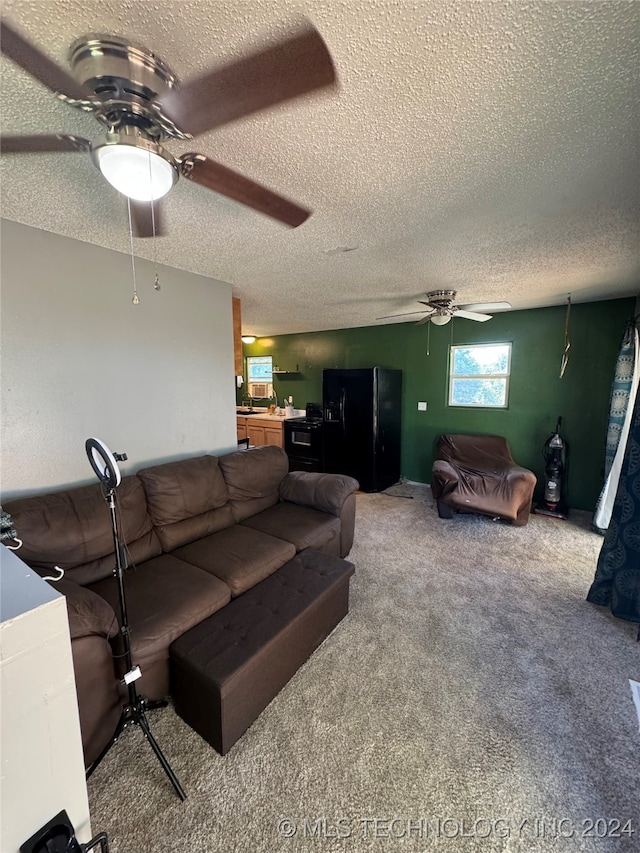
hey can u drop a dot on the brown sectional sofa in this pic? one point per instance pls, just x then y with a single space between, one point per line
199 532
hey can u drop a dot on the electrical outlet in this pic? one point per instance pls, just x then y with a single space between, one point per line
422 407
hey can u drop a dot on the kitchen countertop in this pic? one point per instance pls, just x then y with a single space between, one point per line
263 414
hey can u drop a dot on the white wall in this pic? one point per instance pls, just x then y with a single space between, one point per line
154 380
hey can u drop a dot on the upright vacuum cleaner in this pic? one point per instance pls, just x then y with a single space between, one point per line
555 452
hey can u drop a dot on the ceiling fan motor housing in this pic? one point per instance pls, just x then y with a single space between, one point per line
442 299
127 79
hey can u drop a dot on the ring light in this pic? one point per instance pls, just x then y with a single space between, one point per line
105 466
103 462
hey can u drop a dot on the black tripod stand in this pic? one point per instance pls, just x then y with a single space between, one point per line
105 466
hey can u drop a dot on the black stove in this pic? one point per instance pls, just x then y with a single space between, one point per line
312 417
303 440
312 422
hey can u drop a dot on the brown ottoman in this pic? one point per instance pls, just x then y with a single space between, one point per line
226 670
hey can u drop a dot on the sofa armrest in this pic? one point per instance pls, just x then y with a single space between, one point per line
515 472
443 479
88 612
91 622
325 492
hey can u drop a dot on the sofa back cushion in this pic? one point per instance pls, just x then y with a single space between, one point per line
253 478
187 500
72 529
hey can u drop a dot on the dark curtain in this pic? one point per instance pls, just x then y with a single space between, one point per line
617 580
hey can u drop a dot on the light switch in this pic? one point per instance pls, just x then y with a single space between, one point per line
422 407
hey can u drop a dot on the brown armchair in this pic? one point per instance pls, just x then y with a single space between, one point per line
476 473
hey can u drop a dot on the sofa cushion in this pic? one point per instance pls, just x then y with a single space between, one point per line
187 500
165 597
302 526
72 529
238 555
253 478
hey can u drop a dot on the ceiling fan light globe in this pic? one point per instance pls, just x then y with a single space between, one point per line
135 172
440 319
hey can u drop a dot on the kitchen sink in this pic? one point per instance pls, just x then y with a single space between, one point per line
248 412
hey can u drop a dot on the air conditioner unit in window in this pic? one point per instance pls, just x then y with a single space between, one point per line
259 389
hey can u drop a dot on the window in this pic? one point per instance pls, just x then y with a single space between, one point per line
479 375
259 376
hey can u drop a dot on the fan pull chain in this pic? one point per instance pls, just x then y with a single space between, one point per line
428 335
156 281
135 300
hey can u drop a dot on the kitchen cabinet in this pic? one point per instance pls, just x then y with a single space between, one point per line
255 431
260 431
273 434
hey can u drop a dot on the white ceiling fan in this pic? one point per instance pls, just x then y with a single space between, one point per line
442 308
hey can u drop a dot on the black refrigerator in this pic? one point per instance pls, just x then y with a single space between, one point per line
361 411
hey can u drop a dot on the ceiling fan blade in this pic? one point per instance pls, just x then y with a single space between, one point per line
486 306
424 319
38 65
147 220
43 143
472 315
225 181
297 65
406 314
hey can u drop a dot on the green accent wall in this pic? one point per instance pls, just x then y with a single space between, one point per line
537 395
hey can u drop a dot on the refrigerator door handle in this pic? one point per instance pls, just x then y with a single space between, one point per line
343 414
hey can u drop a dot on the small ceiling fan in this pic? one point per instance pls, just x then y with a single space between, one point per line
442 308
140 103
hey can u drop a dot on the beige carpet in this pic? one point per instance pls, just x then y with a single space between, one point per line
472 700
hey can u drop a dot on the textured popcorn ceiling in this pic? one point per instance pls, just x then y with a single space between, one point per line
488 147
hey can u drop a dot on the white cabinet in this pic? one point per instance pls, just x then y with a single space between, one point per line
42 761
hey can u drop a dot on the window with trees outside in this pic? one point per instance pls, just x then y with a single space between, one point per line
260 376
479 375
